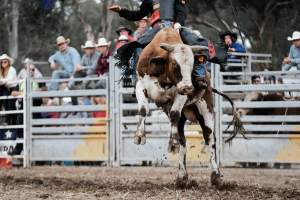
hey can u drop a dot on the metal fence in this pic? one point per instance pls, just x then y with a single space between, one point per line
61 131
271 138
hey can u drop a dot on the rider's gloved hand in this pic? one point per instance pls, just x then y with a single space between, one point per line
177 26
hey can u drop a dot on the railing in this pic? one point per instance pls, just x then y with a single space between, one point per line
272 137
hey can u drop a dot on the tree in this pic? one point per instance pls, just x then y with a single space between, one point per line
11 15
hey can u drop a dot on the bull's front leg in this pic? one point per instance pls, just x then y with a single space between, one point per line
174 115
143 110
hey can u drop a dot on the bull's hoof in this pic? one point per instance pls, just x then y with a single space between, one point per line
215 179
137 140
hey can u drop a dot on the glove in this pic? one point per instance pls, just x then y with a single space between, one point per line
177 26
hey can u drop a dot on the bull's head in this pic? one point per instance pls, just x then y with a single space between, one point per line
183 57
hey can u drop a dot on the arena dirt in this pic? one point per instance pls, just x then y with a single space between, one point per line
145 183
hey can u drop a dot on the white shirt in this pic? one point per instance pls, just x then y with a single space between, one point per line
11 79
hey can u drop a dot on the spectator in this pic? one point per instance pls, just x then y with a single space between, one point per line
102 66
8 84
102 44
123 39
125 31
293 60
65 62
28 65
255 80
90 57
230 40
269 79
142 27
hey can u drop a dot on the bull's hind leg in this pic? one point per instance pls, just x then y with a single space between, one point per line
207 125
143 110
182 173
176 109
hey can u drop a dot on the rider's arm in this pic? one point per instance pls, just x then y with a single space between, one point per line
135 15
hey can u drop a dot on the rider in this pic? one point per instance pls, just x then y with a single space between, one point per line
161 13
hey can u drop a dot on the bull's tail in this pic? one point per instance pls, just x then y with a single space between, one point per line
236 121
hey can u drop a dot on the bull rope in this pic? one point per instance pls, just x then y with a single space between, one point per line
238 126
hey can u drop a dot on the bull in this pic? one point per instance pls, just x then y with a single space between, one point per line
165 76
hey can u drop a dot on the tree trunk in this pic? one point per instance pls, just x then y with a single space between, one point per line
107 17
12 21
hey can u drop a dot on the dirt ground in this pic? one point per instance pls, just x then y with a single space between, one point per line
145 183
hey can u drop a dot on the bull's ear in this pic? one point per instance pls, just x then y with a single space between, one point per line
167 47
197 48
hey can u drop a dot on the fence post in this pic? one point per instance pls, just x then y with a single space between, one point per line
26 121
217 98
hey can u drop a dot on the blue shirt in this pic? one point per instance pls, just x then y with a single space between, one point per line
66 60
90 62
238 49
294 55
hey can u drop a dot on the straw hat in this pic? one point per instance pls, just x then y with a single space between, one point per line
6 57
295 36
88 45
123 38
102 42
62 39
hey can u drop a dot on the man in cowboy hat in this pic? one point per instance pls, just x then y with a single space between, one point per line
230 41
65 62
90 57
293 60
122 30
102 66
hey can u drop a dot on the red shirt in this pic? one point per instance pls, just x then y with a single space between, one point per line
103 64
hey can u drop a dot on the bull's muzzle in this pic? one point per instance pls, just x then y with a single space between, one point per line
185 88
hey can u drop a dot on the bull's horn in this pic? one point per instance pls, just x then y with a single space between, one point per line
196 48
167 47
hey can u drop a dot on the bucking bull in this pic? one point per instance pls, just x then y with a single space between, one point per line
165 76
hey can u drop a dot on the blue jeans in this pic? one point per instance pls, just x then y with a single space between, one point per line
58 74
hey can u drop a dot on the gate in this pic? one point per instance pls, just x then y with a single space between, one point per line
61 131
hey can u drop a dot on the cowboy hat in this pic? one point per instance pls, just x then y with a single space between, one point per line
62 39
123 38
102 42
231 34
6 57
88 45
27 61
123 28
295 36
